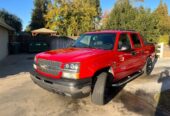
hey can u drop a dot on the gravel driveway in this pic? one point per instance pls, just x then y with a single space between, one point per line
19 96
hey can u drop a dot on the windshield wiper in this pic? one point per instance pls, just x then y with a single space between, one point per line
79 46
95 47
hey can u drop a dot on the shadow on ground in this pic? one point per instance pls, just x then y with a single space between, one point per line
136 103
163 107
149 104
112 93
15 64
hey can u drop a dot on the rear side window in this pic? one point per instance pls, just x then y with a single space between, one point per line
124 40
136 40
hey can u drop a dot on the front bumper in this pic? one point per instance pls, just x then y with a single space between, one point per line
66 87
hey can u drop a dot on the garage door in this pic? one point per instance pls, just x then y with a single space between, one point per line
3 43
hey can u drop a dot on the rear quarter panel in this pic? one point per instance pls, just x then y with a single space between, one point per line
149 49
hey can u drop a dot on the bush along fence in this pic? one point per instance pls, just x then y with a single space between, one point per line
28 43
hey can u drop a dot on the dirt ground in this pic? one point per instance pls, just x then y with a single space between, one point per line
19 96
166 52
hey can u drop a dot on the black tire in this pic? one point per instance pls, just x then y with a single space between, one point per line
98 95
148 67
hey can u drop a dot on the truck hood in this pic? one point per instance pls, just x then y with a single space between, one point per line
71 54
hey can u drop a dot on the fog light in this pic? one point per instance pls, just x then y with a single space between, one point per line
35 66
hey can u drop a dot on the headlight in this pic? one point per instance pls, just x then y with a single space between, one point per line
72 67
71 71
35 66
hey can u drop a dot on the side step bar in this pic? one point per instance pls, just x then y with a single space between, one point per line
128 79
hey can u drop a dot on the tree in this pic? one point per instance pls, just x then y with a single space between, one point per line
40 9
147 24
97 19
12 20
164 21
104 20
121 16
125 16
96 4
70 17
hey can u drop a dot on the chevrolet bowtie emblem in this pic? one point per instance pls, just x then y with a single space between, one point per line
44 66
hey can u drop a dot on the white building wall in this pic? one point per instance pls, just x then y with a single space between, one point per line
3 43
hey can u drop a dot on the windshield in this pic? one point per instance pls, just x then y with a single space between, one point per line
97 41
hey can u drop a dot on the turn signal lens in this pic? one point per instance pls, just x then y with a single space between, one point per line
70 75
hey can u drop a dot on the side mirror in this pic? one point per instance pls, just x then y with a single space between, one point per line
125 48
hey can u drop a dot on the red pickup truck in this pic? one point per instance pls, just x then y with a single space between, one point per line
83 68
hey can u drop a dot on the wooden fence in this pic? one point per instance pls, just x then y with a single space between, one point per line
54 42
60 43
160 50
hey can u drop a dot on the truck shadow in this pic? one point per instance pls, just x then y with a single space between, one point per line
15 64
112 93
163 106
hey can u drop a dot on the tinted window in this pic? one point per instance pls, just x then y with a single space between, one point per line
136 40
98 41
123 41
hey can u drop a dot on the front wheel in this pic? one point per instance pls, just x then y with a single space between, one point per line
98 95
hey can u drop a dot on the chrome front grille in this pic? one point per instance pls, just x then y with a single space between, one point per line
48 66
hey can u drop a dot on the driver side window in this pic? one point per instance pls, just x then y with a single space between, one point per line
124 41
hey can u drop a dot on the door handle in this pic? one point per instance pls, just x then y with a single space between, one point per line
122 59
133 53
142 52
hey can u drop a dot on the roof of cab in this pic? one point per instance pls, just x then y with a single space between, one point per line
111 31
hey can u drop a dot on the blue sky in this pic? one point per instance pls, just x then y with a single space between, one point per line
23 8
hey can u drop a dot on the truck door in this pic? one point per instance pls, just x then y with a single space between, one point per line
138 50
125 60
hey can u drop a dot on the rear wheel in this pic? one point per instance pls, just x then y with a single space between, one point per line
98 95
148 67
